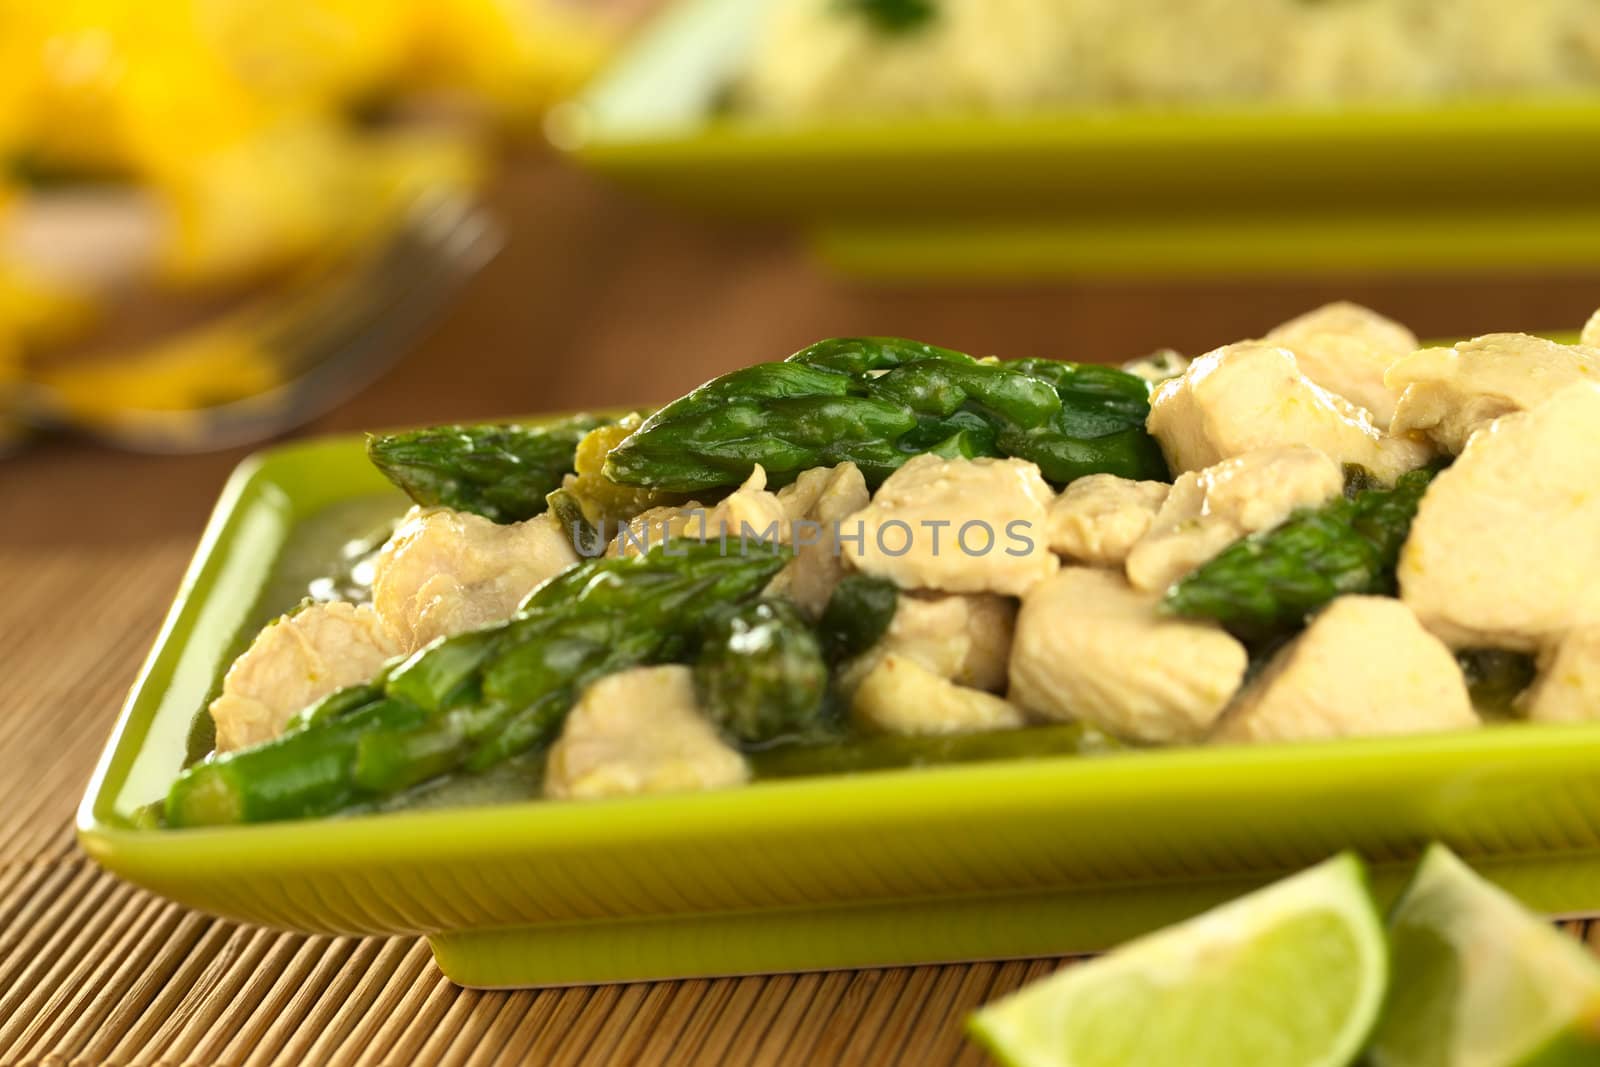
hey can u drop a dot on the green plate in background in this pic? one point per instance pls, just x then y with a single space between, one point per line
1482 186
1029 858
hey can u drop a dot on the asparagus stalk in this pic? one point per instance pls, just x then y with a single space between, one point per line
473 700
892 751
876 402
857 616
503 473
761 676
1266 585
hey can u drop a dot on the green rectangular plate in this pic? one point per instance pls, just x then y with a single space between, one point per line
1488 185
993 860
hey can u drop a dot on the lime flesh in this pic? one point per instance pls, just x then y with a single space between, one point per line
1481 982
1290 976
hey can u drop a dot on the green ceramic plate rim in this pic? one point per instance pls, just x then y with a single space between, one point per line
1087 131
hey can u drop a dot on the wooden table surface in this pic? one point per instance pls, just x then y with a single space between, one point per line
599 298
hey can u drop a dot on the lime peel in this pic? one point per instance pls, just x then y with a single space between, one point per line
1293 975
1479 981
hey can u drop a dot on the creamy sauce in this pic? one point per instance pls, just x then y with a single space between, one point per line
314 550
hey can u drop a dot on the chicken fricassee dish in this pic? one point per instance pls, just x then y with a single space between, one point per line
881 553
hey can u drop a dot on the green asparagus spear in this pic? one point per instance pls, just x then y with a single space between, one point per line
876 402
1097 400
337 703
567 510
1100 428
473 700
891 751
1266 585
718 448
503 473
858 615
301 774
856 356
761 676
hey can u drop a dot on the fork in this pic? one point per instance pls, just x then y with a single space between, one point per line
286 357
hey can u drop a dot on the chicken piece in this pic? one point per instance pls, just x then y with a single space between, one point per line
1502 552
657 526
1591 332
295 662
817 504
1568 686
447 571
750 511
898 695
640 731
964 639
1211 509
959 526
1365 666
1090 647
823 489
1251 395
1097 519
1451 393
1346 348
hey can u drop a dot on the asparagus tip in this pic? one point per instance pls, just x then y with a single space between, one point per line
203 797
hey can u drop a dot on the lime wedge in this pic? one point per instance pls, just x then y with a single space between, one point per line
1481 982
1290 976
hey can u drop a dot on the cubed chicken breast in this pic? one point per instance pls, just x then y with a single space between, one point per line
1211 509
965 639
1451 393
1097 519
821 490
1090 647
1503 552
294 663
444 572
751 512
1251 395
817 504
1591 332
1346 348
898 695
956 525
1364 667
1568 686
656 526
640 731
